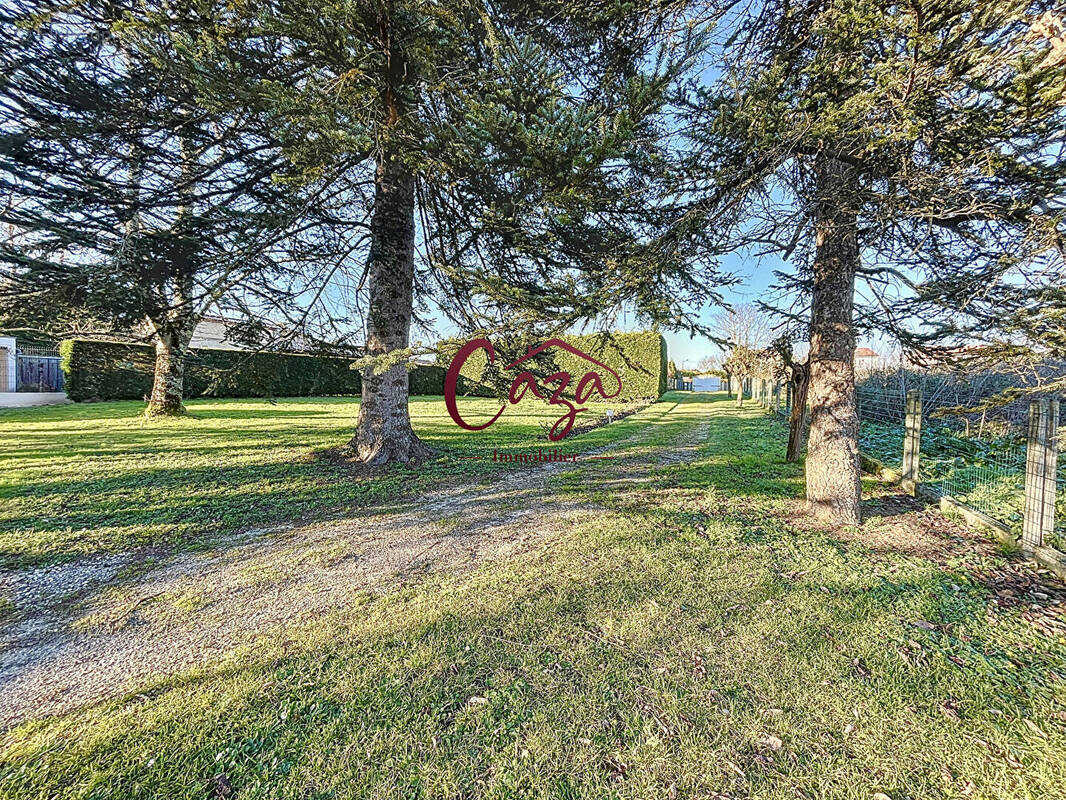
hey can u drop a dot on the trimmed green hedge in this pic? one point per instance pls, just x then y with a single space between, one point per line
96 370
639 358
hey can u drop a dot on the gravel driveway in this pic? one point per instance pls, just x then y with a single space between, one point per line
101 627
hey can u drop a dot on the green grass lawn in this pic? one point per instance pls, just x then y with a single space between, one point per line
87 478
679 637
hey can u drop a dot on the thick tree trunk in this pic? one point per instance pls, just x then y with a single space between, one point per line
168 384
173 319
833 483
384 431
797 417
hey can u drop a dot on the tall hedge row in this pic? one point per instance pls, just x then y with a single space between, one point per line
639 359
96 370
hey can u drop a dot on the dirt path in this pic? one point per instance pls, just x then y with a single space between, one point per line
95 628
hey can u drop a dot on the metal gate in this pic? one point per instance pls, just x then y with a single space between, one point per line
38 370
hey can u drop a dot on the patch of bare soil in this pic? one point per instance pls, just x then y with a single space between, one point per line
81 635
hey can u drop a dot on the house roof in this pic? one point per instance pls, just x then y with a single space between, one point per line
865 352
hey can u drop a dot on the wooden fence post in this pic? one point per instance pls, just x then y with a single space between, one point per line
912 442
1041 462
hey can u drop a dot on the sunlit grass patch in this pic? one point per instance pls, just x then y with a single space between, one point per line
86 478
631 657
675 637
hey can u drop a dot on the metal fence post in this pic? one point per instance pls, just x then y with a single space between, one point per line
1041 462
912 441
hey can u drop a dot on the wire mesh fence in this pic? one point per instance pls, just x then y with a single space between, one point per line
1059 538
882 418
986 459
977 458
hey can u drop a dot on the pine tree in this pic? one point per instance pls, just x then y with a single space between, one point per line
146 183
904 146
507 155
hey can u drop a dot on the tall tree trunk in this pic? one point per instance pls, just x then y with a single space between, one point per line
797 417
384 431
168 385
833 483
173 319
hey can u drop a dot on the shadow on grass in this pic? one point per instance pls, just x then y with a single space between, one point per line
659 649
274 413
102 488
689 618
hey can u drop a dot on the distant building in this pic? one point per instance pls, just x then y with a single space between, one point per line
219 333
212 332
866 360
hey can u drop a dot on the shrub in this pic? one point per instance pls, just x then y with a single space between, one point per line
98 370
426 380
639 358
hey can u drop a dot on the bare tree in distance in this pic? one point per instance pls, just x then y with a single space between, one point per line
710 365
744 325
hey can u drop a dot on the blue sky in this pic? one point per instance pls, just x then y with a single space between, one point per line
756 276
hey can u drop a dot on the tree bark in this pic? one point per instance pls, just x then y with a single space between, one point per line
172 326
832 468
384 432
168 384
797 417
173 319
740 392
